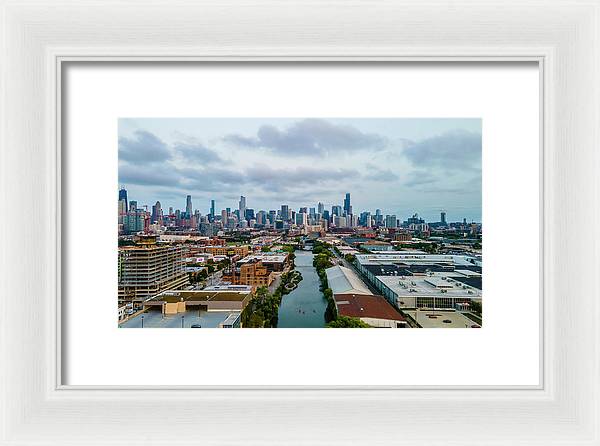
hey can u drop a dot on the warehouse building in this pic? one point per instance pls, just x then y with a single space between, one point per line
411 280
343 280
373 310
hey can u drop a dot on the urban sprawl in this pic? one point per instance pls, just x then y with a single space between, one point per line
310 267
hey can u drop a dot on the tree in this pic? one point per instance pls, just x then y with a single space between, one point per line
347 322
265 249
476 307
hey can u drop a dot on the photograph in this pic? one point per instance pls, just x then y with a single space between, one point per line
313 222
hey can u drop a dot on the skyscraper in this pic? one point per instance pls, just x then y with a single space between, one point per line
272 216
390 221
320 208
242 207
378 217
443 217
285 212
156 213
123 196
188 206
212 209
347 207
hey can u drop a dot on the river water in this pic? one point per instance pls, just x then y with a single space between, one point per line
305 306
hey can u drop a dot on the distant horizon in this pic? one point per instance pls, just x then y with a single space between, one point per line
218 209
402 166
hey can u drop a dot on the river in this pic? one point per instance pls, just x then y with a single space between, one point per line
305 306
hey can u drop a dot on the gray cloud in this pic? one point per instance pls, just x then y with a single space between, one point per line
143 148
420 178
197 152
453 150
310 137
299 176
147 176
375 173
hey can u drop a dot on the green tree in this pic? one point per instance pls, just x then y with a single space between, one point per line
347 322
476 307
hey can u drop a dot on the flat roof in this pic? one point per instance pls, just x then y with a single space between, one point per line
438 282
361 305
266 257
155 319
441 319
172 296
421 286
237 288
414 258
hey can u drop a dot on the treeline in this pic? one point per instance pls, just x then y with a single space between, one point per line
263 310
321 262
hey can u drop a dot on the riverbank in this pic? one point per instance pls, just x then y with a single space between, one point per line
304 307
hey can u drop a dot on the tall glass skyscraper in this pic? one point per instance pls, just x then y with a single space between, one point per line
347 207
188 206
242 207
123 196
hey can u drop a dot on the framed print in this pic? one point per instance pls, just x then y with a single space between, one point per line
305 176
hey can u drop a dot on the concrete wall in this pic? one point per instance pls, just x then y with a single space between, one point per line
380 323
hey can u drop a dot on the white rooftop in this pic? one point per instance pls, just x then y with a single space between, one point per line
343 280
415 258
441 319
428 286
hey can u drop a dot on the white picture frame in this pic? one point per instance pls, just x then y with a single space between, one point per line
37 38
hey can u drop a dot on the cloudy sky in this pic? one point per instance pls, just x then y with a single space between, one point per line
398 165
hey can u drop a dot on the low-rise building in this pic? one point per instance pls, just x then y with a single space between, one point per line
230 251
408 280
372 309
175 301
343 280
273 261
253 273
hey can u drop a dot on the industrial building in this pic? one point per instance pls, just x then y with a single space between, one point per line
343 280
373 310
174 301
409 280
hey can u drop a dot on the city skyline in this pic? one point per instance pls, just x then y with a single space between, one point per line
401 166
215 210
